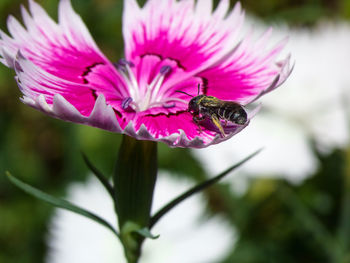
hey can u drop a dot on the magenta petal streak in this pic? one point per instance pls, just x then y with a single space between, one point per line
170 46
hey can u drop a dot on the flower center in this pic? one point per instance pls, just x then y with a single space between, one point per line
150 96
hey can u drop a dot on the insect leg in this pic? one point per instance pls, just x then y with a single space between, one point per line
217 123
197 119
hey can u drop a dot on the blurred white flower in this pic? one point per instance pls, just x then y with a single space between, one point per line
314 97
310 104
185 235
73 238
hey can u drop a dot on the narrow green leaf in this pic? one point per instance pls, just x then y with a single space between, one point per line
145 232
99 176
57 202
196 189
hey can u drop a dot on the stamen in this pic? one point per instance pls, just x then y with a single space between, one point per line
116 65
176 99
169 105
145 102
164 70
124 68
126 102
133 80
122 65
158 81
123 62
155 86
151 97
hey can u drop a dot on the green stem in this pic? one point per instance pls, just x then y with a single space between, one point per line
134 181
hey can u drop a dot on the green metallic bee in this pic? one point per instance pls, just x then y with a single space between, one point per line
203 107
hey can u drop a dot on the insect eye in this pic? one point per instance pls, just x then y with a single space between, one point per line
192 106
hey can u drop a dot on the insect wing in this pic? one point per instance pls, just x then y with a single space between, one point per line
231 106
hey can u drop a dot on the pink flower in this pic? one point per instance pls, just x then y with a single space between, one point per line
170 46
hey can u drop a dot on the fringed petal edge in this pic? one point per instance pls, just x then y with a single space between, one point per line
103 117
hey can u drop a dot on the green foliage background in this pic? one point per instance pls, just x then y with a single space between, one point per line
277 221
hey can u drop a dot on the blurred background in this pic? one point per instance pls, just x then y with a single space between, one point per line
290 204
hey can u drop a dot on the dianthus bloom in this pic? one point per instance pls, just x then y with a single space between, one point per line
170 46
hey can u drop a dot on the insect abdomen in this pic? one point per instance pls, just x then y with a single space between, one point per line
227 112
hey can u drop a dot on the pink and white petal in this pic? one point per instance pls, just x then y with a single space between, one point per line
204 7
286 69
74 28
221 10
190 86
178 130
248 72
102 115
163 125
63 99
146 70
148 67
7 58
34 81
64 49
179 30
